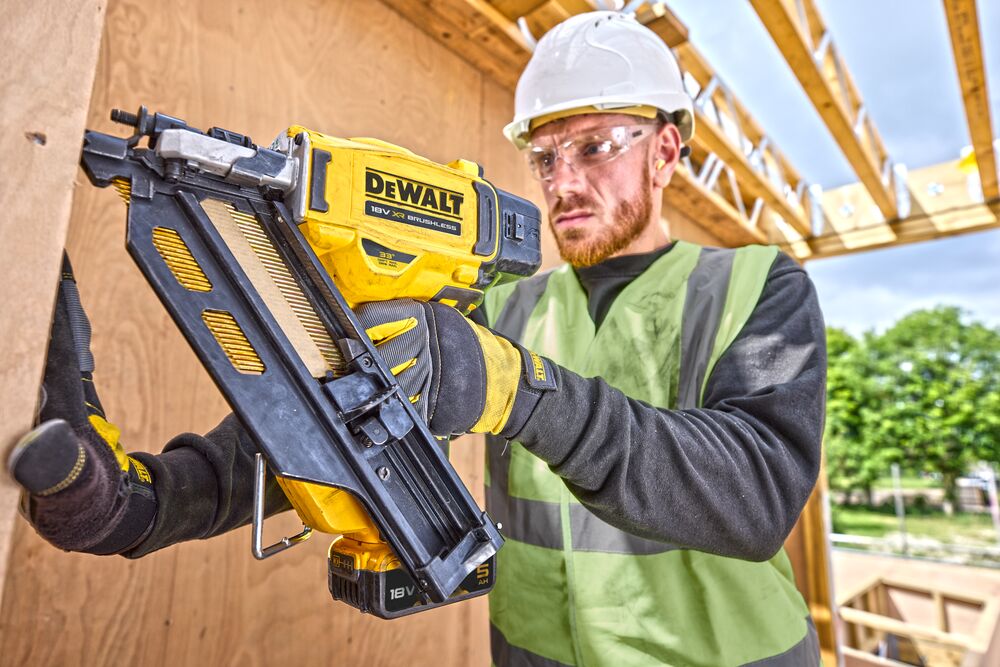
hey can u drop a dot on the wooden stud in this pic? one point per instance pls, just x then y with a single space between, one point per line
941 607
50 47
963 26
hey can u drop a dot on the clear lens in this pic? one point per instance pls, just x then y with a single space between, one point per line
585 151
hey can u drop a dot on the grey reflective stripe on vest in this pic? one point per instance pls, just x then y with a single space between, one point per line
590 533
803 654
537 522
507 655
707 287
533 522
514 317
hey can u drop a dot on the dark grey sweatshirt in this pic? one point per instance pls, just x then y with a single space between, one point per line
729 478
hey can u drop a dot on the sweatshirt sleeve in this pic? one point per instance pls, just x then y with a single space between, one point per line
204 486
729 478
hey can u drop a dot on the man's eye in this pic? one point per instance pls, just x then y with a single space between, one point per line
595 148
544 159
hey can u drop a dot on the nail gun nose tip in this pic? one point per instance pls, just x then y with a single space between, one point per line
124 117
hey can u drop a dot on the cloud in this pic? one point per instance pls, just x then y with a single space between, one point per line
875 289
899 54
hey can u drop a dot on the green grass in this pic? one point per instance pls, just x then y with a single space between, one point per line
963 528
905 482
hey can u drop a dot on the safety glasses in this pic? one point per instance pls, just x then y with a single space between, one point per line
586 150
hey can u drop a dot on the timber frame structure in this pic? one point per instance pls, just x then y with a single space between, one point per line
736 181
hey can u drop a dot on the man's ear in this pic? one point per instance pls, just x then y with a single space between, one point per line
666 154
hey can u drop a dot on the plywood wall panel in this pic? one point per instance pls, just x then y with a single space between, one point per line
345 68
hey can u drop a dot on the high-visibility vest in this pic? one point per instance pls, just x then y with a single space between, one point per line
574 590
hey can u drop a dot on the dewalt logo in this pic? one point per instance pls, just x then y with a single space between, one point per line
140 470
537 373
383 185
538 367
411 202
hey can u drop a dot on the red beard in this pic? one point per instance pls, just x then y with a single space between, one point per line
586 247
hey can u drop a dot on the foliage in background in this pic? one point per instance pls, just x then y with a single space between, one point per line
924 394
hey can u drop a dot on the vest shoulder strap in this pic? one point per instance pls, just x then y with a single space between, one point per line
722 293
509 312
704 302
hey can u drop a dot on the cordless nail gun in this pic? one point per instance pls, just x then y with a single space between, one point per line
259 254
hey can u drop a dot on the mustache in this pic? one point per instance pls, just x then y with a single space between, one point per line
571 204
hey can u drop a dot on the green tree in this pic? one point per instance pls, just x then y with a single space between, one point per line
925 393
852 462
944 376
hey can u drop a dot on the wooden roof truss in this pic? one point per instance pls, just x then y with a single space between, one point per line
736 182
808 46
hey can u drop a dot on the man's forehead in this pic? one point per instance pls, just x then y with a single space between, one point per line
581 123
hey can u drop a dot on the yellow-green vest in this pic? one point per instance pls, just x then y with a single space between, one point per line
572 589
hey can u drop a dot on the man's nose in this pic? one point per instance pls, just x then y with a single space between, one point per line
565 179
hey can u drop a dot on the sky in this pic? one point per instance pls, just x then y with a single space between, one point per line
899 54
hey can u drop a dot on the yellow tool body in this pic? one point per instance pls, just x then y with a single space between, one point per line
395 226
399 226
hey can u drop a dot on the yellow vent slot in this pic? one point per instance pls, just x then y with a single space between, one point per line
233 341
179 260
281 278
124 189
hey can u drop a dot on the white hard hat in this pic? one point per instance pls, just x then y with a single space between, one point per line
599 62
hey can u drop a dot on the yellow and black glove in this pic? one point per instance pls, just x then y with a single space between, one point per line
82 491
461 377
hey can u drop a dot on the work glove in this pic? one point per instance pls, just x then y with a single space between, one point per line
460 376
82 492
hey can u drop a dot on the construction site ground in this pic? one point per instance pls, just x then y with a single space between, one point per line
852 569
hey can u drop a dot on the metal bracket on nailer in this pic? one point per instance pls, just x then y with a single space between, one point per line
259 551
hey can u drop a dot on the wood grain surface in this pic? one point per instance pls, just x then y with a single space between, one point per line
44 95
345 68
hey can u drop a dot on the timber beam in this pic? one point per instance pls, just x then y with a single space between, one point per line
963 26
710 210
806 44
943 205
744 149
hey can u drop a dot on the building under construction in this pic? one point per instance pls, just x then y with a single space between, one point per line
438 77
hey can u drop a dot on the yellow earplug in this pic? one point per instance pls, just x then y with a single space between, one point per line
660 164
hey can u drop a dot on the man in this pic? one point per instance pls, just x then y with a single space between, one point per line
654 431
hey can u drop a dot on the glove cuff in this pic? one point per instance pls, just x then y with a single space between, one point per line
137 517
537 378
